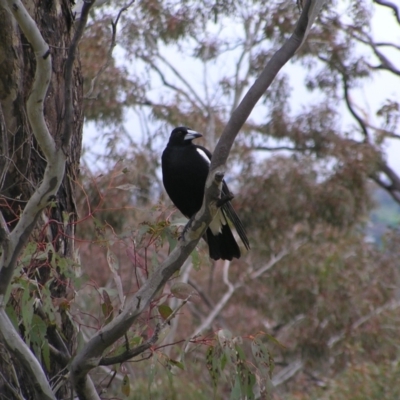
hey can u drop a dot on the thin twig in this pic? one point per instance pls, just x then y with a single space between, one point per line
170 85
114 24
350 106
391 5
390 306
127 355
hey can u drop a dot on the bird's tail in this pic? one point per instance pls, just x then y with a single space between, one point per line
222 245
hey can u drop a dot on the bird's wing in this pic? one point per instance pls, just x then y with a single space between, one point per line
232 216
228 211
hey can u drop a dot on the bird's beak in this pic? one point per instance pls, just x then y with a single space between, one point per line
192 135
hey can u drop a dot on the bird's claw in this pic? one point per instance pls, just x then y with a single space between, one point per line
224 199
186 228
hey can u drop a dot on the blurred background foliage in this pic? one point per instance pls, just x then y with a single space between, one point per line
310 173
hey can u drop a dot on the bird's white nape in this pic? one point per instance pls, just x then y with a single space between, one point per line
204 155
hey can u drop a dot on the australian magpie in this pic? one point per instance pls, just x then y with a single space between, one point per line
185 168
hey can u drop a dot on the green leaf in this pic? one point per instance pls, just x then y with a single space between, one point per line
236 390
246 378
176 364
112 261
223 361
29 250
212 366
182 290
144 228
195 259
165 311
126 386
127 187
263 357
224 337
63 266
38 339
107 307
274 340
27 312
12 315
172 240
46 354
152 373
135 341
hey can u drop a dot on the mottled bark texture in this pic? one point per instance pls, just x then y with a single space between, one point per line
21 162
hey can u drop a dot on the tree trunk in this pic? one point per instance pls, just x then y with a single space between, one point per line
21 161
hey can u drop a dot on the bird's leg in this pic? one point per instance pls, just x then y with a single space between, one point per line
224 199
187 226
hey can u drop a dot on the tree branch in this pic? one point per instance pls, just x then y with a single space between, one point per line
261 84
17 347
393 188
69 107
390 306
182 79
220 305
288 372
391 5
170 85
350 106
114 24
127 355
279 148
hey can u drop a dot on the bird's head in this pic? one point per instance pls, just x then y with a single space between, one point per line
183 136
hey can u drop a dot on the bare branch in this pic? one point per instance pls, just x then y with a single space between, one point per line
220 305
16 394
393 188
386 64
250 275
68 115
383 132
387 44
271 263
182 79
127 355
391 5
387 187
249 43
168 84
17 347
114 24
279 148
390 306
350 106
261 84
288 372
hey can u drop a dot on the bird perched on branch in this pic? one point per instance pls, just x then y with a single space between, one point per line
185 168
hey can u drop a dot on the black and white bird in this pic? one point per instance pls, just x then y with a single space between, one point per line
185 167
